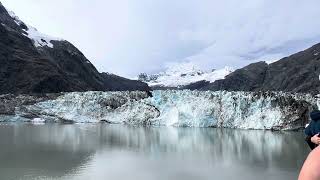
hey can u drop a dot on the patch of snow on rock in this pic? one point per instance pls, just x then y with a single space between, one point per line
270 62
39 39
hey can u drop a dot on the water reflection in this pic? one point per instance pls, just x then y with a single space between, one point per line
100 151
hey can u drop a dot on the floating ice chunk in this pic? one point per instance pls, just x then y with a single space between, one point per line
38 121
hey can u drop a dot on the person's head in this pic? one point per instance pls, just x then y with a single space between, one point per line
315 115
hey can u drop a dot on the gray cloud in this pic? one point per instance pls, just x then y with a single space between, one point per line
131 36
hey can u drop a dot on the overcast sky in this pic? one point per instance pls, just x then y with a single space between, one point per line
127 37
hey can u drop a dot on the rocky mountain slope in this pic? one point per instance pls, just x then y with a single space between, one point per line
116 83
32 62
296 73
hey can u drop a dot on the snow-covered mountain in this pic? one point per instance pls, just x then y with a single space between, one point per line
32 62
182 74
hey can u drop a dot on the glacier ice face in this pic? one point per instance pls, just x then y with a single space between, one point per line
183 108
90 107
244 110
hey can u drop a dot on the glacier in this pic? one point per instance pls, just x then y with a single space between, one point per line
92 107
178 108
244 110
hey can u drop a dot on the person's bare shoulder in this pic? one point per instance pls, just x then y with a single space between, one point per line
311 167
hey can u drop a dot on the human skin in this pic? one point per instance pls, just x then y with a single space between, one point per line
311 167
316 139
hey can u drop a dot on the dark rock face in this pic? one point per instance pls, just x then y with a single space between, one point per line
63 68
117 83
296 73
196 85
248 78
81 74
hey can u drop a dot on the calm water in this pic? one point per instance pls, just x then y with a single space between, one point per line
114 152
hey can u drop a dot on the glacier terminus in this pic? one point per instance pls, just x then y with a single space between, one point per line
243 110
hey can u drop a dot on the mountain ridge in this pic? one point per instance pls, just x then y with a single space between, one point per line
296 73
31 64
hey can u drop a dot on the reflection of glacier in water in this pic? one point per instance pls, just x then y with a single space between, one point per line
118 152
245 110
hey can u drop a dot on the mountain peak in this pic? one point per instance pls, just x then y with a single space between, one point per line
182 68
181 74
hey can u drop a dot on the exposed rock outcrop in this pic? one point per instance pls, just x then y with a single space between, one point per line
116 83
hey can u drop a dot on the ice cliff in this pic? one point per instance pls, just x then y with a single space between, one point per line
244 110
91 107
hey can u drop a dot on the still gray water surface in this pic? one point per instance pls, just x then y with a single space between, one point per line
116 152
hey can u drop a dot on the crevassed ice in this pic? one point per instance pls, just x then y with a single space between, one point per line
218 109
179 108
115 107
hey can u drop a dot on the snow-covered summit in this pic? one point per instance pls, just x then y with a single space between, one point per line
39 39
181 74
182 68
